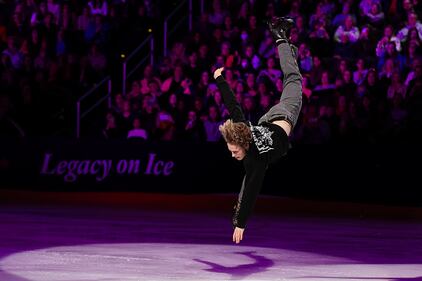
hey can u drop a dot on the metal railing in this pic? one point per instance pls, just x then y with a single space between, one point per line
168 32
80 115
150 55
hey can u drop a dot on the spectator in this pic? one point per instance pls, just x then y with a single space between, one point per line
166 129
118 103
278 88
251 85
396 87
178 54
387 70
411 54
271 71
346 36
366 43
134 95
265 103
111 130
98 7
414 99
203 84
325 83
306 90
375 16
412 22
365 6
255 32
243 15
219 104
304 58
316 72
340 19
199 108
38 14
319 18
97 61
42 61
14 55
413 37
359 75
398 116
373 86
230 32
137 131
388 37
230 77
194 130
3 32
147 77
249 109
211 125
84 20
54 9
301 30
173 83
294 12
391 53
320 39
218 14
266 48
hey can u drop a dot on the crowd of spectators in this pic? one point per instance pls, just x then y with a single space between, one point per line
52 51
360 61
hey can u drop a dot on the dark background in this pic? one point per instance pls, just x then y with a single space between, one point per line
387 174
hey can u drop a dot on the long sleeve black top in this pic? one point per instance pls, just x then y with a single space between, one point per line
270 143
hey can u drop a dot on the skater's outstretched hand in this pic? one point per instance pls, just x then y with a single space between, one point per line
238 234
218 72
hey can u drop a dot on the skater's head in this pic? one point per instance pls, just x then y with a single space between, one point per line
238 137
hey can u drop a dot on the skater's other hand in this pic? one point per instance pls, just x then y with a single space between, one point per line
238 234
218 72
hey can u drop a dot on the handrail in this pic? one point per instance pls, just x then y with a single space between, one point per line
177 25
125 76
166 32
139 47
137 66
80 115
190 15
176 9
94 106
96 86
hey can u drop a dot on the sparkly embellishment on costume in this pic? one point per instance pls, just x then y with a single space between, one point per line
262 138
236 210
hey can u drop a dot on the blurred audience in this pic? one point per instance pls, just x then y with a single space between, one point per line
360 60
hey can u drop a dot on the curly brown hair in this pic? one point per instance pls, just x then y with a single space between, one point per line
237 133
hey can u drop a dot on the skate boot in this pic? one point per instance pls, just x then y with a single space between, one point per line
279 26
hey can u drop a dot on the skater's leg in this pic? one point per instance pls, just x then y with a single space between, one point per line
291 98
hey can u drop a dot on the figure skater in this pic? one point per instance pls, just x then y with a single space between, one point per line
264 144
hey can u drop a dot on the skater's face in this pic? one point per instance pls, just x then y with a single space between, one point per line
237 152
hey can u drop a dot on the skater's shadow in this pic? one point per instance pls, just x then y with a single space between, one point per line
260 264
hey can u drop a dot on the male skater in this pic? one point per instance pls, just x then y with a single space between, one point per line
264 144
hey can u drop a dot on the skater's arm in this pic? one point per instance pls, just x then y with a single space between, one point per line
235 110
251 187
